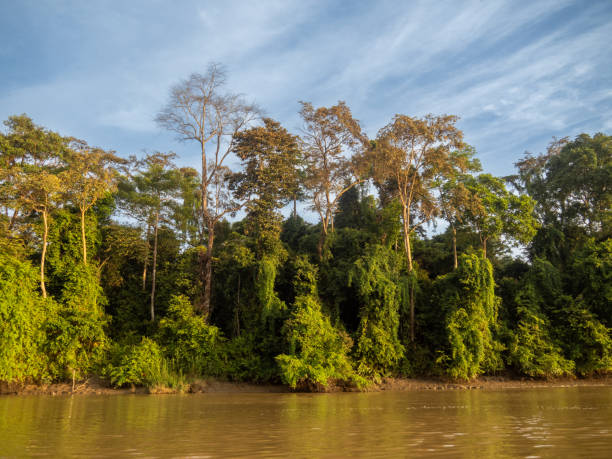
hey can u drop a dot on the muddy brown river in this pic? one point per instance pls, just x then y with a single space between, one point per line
528 423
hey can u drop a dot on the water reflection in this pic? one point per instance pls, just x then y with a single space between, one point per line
514 423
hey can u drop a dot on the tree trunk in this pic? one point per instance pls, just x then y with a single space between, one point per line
146 261
154 273
406 222
294 207
411 311
83 239
455 264
484 248
44 253
237 311
207 227
206 309
321 243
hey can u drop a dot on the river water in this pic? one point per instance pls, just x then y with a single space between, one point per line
528 423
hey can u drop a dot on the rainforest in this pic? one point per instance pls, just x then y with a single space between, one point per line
317 260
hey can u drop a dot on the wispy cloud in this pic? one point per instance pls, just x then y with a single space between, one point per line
516 72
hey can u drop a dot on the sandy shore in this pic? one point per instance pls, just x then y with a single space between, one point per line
96 386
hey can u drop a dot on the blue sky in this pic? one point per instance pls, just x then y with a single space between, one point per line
517 72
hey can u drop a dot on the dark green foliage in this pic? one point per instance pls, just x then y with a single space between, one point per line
247 358
376 277
586 340
233 307
82 295
317 353
468 298
271 306
298 235
531 349
140 364
591 278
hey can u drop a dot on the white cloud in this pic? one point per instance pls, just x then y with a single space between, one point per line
485 61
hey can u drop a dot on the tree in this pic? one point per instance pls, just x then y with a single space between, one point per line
187 215
30 183
90 175
150 195
328 135
571 183
199 112
455 199
495 211
413 156
269 178
25 150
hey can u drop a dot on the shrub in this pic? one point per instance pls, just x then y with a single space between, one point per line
531 349
194 346
379 286
76 341
22 317
317 352
140 364
468 299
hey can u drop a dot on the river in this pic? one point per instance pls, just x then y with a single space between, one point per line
528 423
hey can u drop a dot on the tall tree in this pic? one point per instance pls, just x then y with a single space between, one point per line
90 175
199 111
269 179
41 192
495 211
25 150
413 156
328 136
571 182
456 199
151 195
32 158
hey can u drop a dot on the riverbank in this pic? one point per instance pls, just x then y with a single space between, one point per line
95 386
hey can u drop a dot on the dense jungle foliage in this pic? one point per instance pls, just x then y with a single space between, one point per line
141 272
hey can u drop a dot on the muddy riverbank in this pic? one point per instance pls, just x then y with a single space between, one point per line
95 386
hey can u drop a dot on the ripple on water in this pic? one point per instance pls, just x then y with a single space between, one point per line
452 424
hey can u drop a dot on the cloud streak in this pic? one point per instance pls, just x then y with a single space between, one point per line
516 73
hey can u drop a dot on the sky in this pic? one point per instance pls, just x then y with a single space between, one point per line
517 73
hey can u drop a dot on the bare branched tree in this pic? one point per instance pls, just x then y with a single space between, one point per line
200 112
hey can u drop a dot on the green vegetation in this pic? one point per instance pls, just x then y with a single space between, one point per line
129 269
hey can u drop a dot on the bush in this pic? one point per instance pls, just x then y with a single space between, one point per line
76 341
468 299
189 342
246 358
140 364
317 352
531 349
376 277
22 316
586 340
